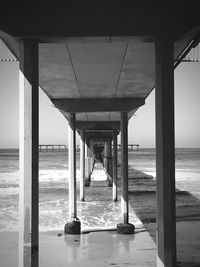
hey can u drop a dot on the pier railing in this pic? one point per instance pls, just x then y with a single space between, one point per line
52 148
130 146
59 148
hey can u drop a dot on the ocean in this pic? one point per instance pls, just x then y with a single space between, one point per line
98 211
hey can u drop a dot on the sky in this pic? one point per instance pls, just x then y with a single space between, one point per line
53 126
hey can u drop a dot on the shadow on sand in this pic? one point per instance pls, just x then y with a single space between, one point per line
142 198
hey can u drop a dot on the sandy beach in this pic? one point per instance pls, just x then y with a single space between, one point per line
101 248
106 248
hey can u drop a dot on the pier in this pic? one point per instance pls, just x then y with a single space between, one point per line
98 65
130 146
59 148
52 148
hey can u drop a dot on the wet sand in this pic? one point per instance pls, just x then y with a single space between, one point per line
106 248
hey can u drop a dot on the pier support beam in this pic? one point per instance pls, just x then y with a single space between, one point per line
124 167
109 163
125 227
88 165
110 167
82 166
165 162
28 155
73 226
106 156
115 169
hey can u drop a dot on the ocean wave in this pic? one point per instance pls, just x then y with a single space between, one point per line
148 191
6 185
9 191
141 192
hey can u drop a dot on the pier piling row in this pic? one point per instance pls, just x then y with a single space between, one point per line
98 75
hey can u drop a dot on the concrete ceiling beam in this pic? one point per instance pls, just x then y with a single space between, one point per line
79 105
139 18
97 125
99 135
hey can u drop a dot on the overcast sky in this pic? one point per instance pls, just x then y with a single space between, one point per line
53 126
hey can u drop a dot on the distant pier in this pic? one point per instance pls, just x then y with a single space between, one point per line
130 146
52 148
59 148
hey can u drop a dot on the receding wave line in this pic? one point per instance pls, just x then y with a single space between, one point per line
141 192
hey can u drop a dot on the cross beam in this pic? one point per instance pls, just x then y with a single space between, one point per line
97 125
79 105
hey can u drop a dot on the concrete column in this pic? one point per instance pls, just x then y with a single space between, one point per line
125 227
72 165
107 156
165 162
73 226
90 158
87 166
110 166
82 166
115 174
124 166
107 162
28 155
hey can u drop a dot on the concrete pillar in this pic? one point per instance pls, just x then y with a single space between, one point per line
125 227
90 158
165 162
107 153
82 166
107 161
124 166
73 226
110 166
115 163
72 165
87 166
28 155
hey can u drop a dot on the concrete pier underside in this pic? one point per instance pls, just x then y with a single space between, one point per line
95 69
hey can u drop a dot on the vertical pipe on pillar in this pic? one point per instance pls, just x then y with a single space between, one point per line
124 166
28 154
115 166
72 165
165 162
82 166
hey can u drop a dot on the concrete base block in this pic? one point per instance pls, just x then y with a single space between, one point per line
125 228
73 227
87 182
110 184
110 181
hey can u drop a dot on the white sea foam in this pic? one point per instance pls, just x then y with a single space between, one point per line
9 191
98 211
9 177
56 175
